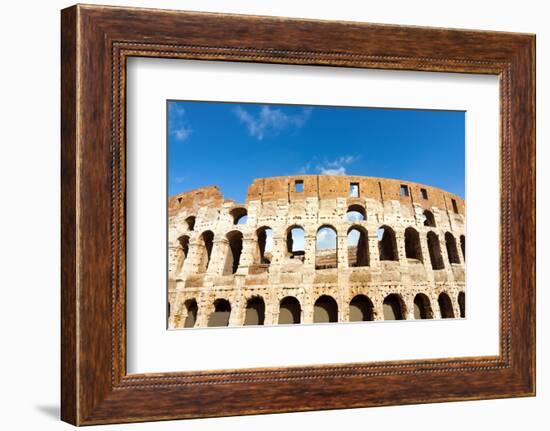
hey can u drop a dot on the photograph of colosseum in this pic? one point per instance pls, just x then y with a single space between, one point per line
290 214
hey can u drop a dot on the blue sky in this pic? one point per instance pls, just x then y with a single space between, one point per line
231 144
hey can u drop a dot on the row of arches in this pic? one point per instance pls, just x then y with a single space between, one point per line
325 310
326 247
354 213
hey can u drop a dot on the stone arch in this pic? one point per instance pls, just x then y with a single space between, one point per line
445 306
326 247
290 311
254 311
295 242
182 252
325 310
239 215
221 313
463 246
435 251
462 304
429 219
264 236
413 249
356 213
361 309
190 222
422 307
358 246
207 242
452 251
191 311
387 244
393 307
234 250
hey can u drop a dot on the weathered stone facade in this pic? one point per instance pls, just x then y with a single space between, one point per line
407 263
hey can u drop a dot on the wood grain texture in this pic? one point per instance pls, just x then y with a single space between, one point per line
96 41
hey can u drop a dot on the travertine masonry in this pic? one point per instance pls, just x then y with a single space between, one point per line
235 264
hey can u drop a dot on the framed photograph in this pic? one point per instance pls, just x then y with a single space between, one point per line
323 214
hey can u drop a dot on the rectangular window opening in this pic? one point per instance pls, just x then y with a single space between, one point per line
299 186
354 190
455 206
404 190
424 193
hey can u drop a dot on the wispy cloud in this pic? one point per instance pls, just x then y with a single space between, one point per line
270 121
336 166
326 239
178 123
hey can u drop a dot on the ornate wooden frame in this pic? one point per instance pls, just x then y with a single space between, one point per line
95 42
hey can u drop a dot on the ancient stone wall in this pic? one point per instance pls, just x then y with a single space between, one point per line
234 264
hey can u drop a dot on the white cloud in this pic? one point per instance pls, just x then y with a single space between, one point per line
326 239
337 171
337 166
270 121
178 123
182 133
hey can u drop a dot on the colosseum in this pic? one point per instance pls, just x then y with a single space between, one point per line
315 249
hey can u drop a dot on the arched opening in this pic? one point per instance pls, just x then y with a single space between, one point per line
463 246
428 218
358 247
234 249
207 239
422 307
183 251
393 307
360 309
265 245
387 245
452 251
445 306
356 213
190 222
254 312
239 215
435 251
413 250
289 311
462 304
192 309
220 315
326 251
325 310
295 238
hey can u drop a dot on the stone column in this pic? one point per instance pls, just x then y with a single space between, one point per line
238 309
400 242
205 307
445 257
193 260
426 256
374 254
342 246
271 310
174 254
247 255
309 249
307 310
218 256
409 307
279 250
378 308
